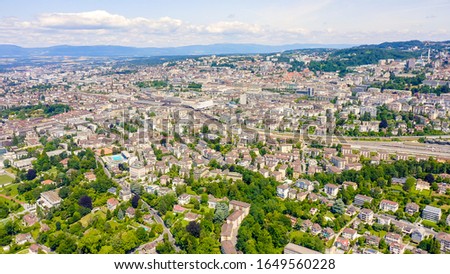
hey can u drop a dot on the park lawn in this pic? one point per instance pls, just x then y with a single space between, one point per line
445 207
12 189
329 243
427 223
396 187
5 179
379 234
205 209
35 233
425 192
347 218
86 219
113 224
184 222
190 191
13 206
23 251
329 215
52 172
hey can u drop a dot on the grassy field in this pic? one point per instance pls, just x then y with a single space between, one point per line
11 190
5 179
86 219
13 206
190 191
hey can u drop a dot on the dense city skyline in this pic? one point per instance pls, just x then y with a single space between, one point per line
178 23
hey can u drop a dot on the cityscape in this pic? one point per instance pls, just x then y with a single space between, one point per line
228 148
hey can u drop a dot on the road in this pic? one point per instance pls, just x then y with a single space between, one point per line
159 220
151 210
333 248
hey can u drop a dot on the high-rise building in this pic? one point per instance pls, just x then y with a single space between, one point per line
431 213
243 99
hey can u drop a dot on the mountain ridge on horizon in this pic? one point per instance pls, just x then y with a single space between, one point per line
9 50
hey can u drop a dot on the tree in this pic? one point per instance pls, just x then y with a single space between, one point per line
429 178
383 123
435 246
135 201
180 189
4 211
31 174
221 212
338 207
135 188
15 140
120 214
432 245
64 192
195 202
409 184
204 199
158 229
166 203
205 129
165 248
85 201
142 235
7 163
66 246
382 245
194 229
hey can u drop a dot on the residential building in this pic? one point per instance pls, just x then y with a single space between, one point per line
112 203
396 248
137 170
327 233
444 239
305 184
411 208
349 233
238 205
372 240
387 205
48 200
431 213
366 215
331 189
338 162
342 243
350 184
417 235
184 199
316 229
283 191
360 200
392 237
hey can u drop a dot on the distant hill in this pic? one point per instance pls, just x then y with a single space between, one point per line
409 45
120 51
340 60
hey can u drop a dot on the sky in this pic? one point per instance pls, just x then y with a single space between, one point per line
170 23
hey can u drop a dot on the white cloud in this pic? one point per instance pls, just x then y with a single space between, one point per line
234 27
84 20
101 27
101 19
